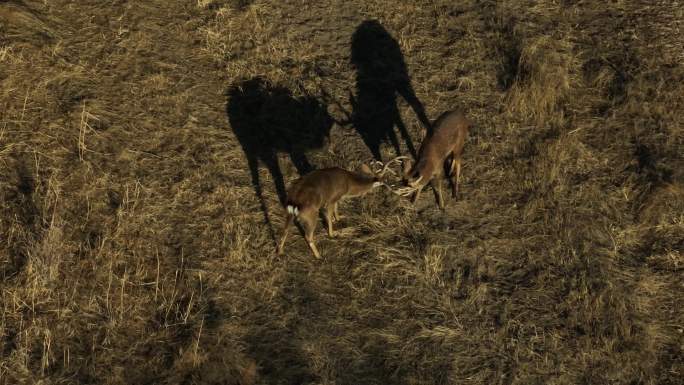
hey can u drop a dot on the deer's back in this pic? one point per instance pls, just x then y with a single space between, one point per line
320 187
450 132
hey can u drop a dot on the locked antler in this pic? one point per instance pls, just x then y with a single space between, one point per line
385 167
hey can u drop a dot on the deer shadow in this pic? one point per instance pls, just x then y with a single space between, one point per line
381 75
268 120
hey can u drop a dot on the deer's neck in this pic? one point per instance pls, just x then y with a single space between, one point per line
425 169
360 184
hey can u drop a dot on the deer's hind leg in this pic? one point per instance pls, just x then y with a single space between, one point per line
308 221
455 175
286 229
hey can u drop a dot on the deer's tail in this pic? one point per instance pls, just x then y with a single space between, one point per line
292 209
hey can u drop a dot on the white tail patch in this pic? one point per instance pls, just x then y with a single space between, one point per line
377 184
292 210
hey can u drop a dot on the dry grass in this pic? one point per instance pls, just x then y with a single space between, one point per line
133 241
543 80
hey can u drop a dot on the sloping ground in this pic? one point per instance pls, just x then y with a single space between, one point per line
136 230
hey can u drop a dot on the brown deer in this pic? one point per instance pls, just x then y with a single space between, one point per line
440 151
323 189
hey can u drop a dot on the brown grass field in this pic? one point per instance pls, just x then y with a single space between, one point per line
144 146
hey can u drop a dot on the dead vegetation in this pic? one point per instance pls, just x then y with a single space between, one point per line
133 245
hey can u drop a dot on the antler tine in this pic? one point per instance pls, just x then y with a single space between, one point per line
376 163
405 191
386 168
402 192
399 192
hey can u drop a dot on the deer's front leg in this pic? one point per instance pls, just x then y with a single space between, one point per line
415 195
329 213
436 184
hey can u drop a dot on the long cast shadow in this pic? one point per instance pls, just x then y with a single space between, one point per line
381 75
268 120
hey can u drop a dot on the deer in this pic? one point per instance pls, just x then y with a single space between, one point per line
323 189
440 152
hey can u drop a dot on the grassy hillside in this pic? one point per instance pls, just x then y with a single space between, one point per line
144 146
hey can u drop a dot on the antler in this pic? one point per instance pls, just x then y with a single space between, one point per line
385 168
403 192
408 190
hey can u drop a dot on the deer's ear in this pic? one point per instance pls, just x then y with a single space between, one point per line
366 169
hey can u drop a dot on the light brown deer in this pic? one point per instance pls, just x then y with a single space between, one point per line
323 189
440 151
